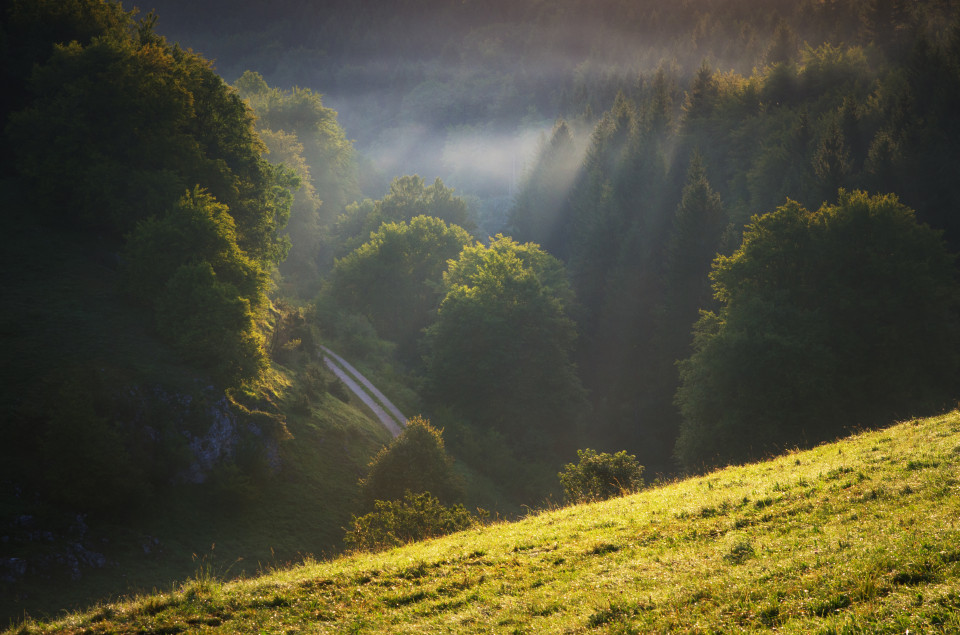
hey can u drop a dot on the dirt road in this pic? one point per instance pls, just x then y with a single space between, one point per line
388 414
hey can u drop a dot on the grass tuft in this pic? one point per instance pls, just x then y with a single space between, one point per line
739 552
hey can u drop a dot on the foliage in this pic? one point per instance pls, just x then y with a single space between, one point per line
32 28
412 518
870 103
92 438
695 239
499 473
820 330
616 227
600 476
197 229
416 461
125 125
324 147
486 63
204 290
352 333
293 332
304 135
537 214
792 103
475 260
846 111
503 330
409 196
115 126
309 253
140 522
394 278
210 324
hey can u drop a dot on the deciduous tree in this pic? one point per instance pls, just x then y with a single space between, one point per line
395 278
409 196
843 317
499 354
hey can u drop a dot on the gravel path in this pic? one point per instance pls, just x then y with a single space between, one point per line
394 421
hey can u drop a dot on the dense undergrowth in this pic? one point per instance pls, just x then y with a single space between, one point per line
855 536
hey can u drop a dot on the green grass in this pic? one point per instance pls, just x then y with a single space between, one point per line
860 536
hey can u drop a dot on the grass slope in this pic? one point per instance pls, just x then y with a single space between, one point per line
856 536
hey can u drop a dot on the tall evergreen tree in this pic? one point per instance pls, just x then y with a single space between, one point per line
831 160
541 212
695 239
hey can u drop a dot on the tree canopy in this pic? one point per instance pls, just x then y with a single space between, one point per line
503 331
843 317
114 126
394 279
303 135
409 196
149 224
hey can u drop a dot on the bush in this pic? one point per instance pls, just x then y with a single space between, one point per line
600 476
416 461
415 517
339 390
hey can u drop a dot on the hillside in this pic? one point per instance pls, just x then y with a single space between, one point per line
715 234
139 432
64 309
228 528
855 536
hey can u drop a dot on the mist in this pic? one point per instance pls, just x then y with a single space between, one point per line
460 91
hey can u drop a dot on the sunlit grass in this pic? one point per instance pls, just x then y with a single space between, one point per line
859 536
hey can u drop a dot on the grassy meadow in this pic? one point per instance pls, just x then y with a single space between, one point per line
852 537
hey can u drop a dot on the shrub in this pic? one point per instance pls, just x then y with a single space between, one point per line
339 390
414 517
600 476
416 461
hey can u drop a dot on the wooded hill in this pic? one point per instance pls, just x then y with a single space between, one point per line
735 239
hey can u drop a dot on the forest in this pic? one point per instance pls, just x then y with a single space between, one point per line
691 234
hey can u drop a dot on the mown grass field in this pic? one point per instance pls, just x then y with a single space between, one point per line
859 536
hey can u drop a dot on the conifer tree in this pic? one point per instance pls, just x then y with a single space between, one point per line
698 226
831 160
